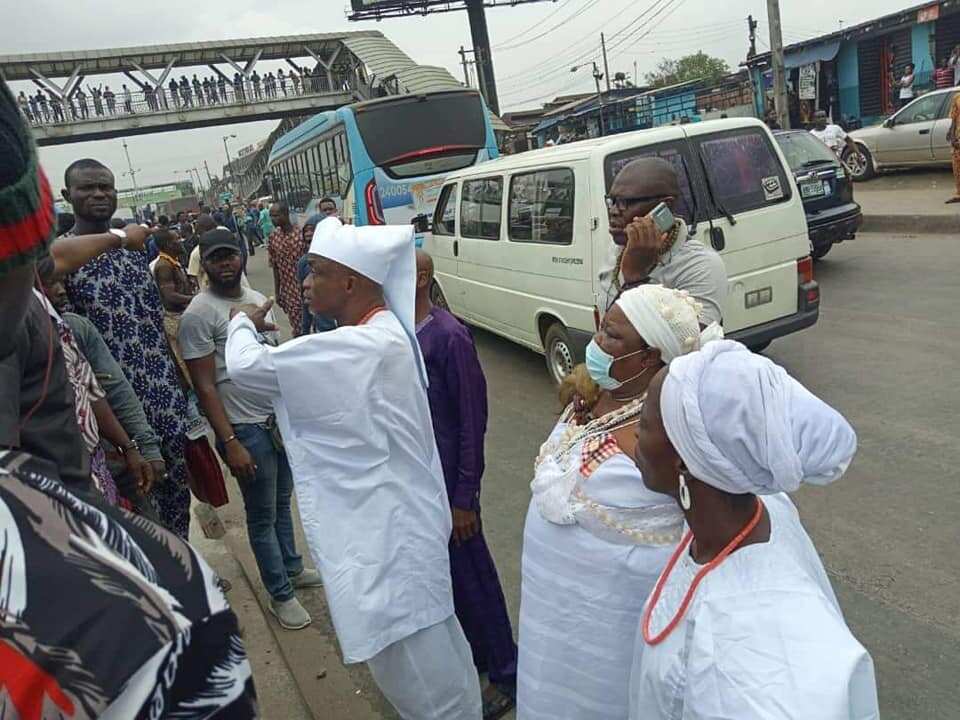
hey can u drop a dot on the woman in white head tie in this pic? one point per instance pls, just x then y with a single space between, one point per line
743 623
595 538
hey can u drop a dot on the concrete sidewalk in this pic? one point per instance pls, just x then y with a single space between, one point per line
909 201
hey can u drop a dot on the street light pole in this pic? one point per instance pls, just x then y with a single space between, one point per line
229 161
133 178
597 76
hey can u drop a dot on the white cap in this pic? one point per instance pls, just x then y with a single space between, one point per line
385 254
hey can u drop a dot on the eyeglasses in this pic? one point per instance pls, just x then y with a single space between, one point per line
622 203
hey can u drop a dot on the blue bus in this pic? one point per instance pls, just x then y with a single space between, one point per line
382 161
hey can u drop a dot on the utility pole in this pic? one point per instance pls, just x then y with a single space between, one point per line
482 55
636 75
776 59
463 61
752 27
209 179
606 68
133 177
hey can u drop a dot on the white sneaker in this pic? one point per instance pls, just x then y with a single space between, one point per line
290 613
306 579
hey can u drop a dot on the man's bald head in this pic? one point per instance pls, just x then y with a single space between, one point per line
424 274
647 177
424 263
637 189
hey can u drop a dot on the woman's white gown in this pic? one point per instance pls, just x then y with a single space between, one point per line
582 595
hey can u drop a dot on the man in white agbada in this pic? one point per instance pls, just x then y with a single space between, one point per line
352 409
743 623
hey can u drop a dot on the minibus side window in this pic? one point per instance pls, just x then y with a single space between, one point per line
744 171
480 208
445 216
541 207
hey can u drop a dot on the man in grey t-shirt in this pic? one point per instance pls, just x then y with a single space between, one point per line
682 264
247 437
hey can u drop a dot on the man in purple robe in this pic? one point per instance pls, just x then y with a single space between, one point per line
458 406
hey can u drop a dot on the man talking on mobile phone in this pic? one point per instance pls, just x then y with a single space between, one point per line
645 254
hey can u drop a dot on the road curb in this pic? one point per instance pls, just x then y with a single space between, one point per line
912 224
323 696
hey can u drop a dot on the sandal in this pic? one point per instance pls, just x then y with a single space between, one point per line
496 705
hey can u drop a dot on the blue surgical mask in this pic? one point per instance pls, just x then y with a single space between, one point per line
599 362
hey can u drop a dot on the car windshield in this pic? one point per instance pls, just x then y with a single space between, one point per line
803 150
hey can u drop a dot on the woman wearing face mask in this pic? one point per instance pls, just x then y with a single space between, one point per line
595 538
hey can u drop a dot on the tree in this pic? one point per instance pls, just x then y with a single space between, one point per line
690 67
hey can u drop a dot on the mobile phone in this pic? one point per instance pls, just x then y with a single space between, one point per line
662 217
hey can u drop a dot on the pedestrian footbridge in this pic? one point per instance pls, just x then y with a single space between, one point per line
325 71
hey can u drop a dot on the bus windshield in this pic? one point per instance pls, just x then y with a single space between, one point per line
413 135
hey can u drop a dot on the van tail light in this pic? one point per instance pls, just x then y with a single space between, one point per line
809 290
374 207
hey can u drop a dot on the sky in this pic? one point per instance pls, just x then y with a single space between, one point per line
534 48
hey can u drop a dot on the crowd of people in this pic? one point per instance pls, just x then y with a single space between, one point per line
665 571
46 107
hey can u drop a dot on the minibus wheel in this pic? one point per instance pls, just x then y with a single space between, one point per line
559 352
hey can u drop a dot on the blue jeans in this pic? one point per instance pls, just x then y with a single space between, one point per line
267 504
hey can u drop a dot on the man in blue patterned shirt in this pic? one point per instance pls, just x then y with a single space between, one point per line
117 294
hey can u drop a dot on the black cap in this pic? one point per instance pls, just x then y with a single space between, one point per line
215 239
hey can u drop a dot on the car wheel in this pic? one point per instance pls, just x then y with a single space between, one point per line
436 296
859 164
818 252
559 352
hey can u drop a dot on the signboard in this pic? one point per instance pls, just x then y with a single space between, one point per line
808 82
226 197
929 13
148 195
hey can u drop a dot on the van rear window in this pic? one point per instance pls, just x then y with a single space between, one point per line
744 170
684 206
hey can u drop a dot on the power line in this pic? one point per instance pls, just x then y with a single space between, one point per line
532 27
549 30
566 52
588 35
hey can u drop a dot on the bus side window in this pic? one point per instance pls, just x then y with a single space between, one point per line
445 216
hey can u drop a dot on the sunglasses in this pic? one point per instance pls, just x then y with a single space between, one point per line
622 203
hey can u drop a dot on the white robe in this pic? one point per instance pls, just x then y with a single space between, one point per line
356 425
582 594
763 639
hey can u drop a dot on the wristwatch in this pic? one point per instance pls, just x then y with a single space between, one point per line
122 234
132 445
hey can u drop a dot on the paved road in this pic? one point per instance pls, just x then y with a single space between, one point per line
885 354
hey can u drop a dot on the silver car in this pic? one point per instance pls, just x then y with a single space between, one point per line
914 136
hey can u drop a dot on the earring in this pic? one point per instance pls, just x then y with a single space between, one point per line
684 493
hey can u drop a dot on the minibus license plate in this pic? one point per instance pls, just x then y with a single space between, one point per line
812 189
758 297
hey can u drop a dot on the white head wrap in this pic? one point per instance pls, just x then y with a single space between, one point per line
385 254
743 425
667 319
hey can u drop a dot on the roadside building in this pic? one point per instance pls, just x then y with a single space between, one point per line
852 74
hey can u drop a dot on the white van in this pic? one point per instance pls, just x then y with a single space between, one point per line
519 244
